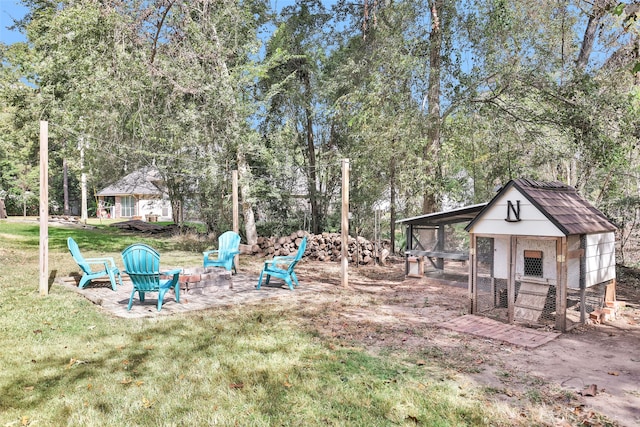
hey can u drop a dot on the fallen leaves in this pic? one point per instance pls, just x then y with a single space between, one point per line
146 403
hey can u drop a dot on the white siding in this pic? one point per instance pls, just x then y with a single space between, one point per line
532 223
548 248
600 258
501 257
155 206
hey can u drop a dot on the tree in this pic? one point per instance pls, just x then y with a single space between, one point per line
291 86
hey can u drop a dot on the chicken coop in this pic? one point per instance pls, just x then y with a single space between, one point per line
540 254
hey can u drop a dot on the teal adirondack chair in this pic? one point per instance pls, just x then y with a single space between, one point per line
107 266
142 264
224 256
282 267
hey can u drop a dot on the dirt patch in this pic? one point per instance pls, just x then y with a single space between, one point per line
588 376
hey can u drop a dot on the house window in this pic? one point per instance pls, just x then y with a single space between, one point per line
533 263
127 206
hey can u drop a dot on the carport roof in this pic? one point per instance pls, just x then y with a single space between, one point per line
453 216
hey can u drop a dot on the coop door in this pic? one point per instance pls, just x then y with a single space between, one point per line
535 279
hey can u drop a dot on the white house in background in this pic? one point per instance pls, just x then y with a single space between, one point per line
140 195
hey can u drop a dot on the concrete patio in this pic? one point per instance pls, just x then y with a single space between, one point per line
197 292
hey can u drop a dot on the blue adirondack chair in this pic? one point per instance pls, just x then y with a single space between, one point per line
142 264
224 256
282 267
106 266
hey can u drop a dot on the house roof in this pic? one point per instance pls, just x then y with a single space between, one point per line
560 203
145 181
453 216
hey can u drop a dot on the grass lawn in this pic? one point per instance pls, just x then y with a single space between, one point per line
66 362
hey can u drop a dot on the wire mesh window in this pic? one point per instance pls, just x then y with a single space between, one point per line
484 249
533 263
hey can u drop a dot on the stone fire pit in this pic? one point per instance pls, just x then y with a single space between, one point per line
201 280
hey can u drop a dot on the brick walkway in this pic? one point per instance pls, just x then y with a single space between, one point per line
225 290
496 330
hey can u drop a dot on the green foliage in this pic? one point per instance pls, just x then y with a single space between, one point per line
427 108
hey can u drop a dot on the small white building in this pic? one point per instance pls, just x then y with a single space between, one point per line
141 194
539 253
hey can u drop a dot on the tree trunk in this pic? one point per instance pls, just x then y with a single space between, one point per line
600 7
431 151
247 209
312 177
244 174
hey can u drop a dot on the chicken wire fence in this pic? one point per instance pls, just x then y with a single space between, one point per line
491 296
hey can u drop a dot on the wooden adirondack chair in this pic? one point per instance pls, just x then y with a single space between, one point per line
142 264
282 267
107 266
224 256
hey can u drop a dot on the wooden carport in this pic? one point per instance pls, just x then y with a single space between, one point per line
436 222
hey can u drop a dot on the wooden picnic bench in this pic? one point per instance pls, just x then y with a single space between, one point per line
436 258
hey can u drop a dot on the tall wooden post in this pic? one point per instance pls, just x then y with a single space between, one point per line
44 208
234 192
83 184
65 185
236 216
345 222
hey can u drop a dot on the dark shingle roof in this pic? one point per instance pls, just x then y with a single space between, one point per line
562 205
145 181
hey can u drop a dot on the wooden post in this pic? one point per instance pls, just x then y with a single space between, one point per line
83 184
345 222
65 185
234 191
472 279
236 218
44 208
511 284
561 284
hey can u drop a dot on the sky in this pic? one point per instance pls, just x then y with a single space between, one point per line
10 10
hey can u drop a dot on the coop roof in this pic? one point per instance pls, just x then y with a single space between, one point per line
453 216
145 181
560 204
